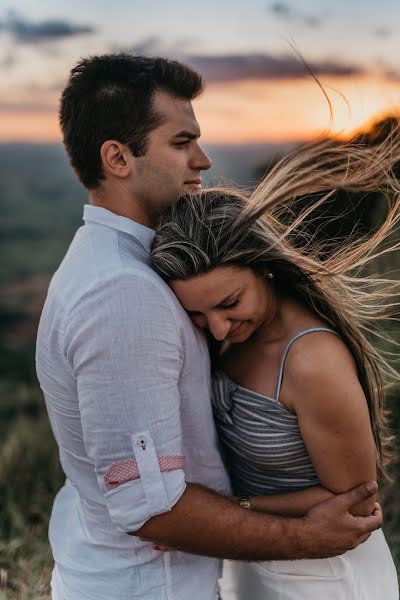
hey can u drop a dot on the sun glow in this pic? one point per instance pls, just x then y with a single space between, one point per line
285 110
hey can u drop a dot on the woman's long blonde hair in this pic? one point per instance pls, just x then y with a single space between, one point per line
221 227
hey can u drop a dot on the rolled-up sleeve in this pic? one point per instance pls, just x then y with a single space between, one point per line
124 345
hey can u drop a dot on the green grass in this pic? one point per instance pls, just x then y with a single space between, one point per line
29 568
30 476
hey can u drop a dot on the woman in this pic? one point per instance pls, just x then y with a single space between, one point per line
298 388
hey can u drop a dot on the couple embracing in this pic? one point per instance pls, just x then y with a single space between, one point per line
268 456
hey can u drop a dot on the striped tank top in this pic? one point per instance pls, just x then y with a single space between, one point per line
260 438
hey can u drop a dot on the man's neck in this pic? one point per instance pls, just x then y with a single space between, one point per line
122 207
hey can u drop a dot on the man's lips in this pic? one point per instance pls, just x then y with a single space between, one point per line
193 182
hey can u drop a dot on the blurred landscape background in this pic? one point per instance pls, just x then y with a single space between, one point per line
259 103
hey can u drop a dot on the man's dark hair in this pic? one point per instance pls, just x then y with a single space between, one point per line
110 97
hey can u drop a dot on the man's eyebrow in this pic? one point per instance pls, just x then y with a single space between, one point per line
187 134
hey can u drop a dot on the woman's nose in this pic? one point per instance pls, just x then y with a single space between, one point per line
219 326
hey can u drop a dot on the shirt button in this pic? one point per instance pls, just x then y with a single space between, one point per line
142 443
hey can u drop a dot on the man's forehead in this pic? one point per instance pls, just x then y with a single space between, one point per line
177 112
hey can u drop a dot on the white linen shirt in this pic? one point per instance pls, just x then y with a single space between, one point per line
125 377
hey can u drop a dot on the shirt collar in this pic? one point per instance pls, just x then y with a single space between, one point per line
103 216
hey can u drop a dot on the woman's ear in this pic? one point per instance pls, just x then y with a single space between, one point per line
116 158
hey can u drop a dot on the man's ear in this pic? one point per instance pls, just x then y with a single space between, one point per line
116 158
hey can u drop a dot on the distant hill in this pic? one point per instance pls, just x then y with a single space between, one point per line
40 207
41 200
239 164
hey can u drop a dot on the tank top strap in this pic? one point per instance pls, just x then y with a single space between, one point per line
289 345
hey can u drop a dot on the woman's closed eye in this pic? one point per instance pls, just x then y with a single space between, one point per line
231 304
200 319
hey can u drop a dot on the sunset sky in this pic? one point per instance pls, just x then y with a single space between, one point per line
257 88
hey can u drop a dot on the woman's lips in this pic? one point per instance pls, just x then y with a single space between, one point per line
235 329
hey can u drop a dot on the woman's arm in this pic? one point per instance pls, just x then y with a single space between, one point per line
322 387
291 504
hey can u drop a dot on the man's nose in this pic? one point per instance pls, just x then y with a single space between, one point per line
200 160
219 326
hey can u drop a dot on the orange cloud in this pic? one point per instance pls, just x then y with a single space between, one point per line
253 110
32 126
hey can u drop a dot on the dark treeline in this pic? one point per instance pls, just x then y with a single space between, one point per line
345 214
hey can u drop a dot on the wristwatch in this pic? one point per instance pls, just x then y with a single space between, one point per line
244 502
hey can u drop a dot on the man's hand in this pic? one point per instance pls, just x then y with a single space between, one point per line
333 529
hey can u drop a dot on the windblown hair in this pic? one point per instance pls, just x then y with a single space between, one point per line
224 227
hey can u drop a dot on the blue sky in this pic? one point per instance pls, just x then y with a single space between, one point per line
358 29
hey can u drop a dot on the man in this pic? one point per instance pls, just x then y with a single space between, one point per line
126 376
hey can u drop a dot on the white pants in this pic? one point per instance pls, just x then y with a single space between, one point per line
365 573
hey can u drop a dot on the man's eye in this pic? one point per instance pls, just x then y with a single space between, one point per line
182 143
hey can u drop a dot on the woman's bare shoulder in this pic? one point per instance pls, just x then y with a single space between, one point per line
317 351
318 362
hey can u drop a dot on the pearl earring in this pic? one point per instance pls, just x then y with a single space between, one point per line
270 275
